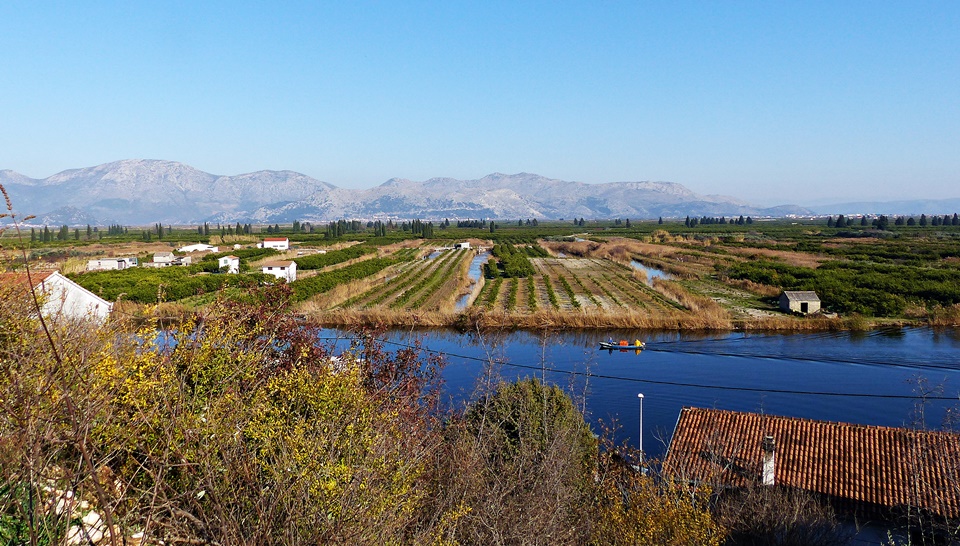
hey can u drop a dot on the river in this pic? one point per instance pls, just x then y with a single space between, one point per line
868 378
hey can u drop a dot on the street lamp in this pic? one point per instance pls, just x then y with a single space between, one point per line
640 396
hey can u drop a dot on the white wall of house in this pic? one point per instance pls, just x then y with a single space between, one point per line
232 263
65 298
108 264
277 243
281 270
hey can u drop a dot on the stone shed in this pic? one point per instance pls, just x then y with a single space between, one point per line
803 302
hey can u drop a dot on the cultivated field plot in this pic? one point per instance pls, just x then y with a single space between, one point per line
569 284
425 284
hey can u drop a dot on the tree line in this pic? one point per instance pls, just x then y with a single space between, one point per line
883 222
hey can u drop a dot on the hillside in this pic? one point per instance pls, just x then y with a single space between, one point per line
140 191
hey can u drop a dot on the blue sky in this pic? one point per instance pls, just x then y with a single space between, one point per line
773 102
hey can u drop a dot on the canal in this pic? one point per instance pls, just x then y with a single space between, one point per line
898 377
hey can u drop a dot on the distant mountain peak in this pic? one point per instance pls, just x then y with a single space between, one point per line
145 191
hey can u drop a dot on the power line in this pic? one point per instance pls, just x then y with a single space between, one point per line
665 383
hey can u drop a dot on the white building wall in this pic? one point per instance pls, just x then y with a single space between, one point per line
233 264
279 245
288 273
65 298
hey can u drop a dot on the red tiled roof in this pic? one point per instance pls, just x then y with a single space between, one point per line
21 279
276 239
882 467
277 264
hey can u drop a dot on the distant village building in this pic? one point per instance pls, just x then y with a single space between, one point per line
278 243
167 259
870 470
281 270
163 257
199 247
231 263
803 302
108 264
61 297
458 246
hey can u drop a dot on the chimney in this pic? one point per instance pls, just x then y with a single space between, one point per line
769 446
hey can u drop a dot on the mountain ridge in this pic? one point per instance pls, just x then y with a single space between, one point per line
144 191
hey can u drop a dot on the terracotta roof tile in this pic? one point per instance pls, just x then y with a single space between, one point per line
883 466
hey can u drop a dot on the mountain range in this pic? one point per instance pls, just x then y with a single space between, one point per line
143 191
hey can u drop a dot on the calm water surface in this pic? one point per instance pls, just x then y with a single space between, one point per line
733 371
474 272
652 272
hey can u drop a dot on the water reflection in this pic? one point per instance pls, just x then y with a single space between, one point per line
794 375
651 272
473 273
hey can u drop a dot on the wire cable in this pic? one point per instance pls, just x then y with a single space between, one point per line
666 383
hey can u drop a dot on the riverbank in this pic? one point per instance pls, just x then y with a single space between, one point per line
474 318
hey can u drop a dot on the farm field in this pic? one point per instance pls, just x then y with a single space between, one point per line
702 277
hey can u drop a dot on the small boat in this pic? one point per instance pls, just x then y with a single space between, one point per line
622 345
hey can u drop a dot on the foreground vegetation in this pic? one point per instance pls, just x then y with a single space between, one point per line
238 428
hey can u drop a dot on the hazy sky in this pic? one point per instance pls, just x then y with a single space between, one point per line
773 102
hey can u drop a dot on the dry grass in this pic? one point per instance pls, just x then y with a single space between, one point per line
385 318
543 319
343 292
945 316
474 318
676 261
694 303
131 314
793 324
763 290
798 259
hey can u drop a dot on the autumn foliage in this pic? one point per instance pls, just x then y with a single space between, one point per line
239 427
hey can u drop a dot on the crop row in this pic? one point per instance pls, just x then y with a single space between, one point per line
327 280
426 285
511 262
333 257
381 291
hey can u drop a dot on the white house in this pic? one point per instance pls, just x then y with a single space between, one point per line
163 257
199 247
458 246
232 263
61 297
107 264
279 243
281 270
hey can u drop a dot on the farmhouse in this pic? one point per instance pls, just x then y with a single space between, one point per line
61 297
199 247
458 246
804 302
167 261
281 269
231 263
108 264
869 470
163 257
279 243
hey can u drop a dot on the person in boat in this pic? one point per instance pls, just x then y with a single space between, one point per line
637 343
